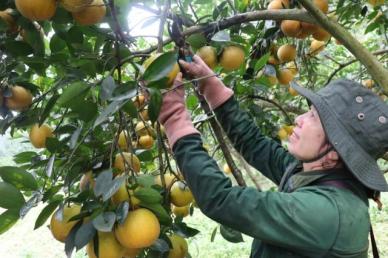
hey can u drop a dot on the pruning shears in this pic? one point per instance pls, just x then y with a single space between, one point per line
176 34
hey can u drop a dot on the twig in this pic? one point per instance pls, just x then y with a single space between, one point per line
342 66
161 25
289 120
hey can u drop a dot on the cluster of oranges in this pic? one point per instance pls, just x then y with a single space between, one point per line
84 12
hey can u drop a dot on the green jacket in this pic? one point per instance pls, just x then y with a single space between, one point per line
303 219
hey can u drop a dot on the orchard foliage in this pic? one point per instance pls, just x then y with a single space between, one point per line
73 80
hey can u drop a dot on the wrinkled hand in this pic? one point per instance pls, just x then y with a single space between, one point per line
173 113
197 69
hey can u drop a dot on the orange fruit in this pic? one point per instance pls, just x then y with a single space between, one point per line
232 58
131 160
181 211
180 194
290 28
36 10
9 20
208 55
108 246
92 14
284 76
140 229
146 141
87 181
179 247
227 169
321 34
171 75
286 53
75 5
20 100
61 228
316 47
39 134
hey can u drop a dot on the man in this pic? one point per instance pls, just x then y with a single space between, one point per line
324 179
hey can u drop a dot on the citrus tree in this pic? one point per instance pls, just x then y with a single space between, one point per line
87 93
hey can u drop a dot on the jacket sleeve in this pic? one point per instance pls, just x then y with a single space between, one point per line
304 220
261 152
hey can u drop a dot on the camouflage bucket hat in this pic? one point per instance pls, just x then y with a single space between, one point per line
356 123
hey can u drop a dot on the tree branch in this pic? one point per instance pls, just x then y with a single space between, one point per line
278 15
372 64
161 25
342 66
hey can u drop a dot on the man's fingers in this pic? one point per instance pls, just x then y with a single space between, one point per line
184 64
178 79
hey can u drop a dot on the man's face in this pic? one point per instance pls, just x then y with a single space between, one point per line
308 138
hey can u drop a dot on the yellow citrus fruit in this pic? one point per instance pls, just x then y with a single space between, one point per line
38 135
108 246
20 100
292 91
171 75
282 134
146 141
322 5
208 55
36 10
124 194
61 228
92 14
290 28
9 20
180 194
144 114
169 179
138 101
285 76
278 4
227 169
179 247
140 229
308 28
289 129
232 58
272 80
376 2
273 60
131 252
316 47
321 34
369 83
131 160
292 67
181 211
286 53
87 181
122 141
75 5
143 129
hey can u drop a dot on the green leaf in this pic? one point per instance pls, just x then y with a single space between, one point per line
144 155
191 101
75 35
231 235
8 219
24 157
159 211
184 230
103 182
196 40
86 110
221 36
18 48
108 85
160 67
53 145
108 111
113 187
57 44
11 197
155 104
84 234
262 62
148 195
19 178
72 91
146 180
47 109
213 236
105 221
46 213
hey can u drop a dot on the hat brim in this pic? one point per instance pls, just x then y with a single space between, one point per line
362 165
